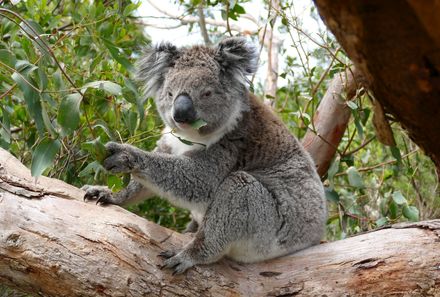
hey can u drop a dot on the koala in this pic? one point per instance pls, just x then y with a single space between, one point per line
253 191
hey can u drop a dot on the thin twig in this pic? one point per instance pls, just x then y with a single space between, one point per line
228 27
202 23
380 164
364 144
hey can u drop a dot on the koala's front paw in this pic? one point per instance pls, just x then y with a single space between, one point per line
120 158
178 262
101 194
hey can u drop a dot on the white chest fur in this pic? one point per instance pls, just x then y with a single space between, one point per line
177 146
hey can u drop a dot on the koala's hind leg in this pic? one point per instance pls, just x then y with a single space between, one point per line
241 211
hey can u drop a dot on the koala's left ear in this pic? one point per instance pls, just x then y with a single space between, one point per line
237 54
153 65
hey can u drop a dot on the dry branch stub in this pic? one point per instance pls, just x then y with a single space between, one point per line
55 246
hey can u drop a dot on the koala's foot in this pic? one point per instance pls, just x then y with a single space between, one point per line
101 194
121 158
178 262
206 247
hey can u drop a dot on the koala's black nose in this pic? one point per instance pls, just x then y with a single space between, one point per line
184 111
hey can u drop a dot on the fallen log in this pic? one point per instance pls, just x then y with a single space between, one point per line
54 244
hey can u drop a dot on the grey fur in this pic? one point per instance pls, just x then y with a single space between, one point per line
253 191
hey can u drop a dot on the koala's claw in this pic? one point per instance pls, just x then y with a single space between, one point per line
101 194
179 263
167 254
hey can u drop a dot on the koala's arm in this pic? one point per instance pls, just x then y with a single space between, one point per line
191 178
134 192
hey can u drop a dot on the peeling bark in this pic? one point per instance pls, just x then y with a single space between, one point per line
396 46
55 246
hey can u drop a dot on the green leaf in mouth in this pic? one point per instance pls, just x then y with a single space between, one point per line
198 124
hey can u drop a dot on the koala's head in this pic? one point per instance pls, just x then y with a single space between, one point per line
199 83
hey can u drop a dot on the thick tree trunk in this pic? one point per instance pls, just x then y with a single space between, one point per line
55 246
396 45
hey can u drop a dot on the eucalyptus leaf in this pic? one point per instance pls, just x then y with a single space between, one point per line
44 155
32 99
396 154
352 105
7 57
331 195
411 213
108 86
100 150
68 113
92 167
187 142
354 178
198 124
399 198
393 209
116 53
381 222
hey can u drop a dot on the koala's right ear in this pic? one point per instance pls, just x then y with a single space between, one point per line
237 55
153 65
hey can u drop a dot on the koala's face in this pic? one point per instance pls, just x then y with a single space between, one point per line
199 85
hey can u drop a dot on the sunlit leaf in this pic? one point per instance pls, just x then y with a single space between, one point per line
399 198
108 86
354 178
352 105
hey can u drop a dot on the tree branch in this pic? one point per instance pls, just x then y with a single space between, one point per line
55 244
202 23
331 119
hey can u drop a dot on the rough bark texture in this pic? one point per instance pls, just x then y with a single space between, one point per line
396 45
331 118
64 247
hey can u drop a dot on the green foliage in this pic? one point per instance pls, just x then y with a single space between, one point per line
66 88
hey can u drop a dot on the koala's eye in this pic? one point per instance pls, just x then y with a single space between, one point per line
170 94
207 94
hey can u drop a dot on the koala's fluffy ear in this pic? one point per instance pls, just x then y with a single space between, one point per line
153 65
237 54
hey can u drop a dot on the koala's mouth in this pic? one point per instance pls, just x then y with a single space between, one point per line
197 125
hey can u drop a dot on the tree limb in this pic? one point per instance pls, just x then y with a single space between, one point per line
331 118
66 247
